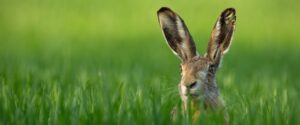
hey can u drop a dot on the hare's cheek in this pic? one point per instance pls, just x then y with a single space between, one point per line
183 90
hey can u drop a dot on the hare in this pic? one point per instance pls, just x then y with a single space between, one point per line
198 84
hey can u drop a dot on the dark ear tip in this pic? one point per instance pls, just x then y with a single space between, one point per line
228 12
232 10
163 9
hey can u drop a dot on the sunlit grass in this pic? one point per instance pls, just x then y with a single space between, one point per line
96 62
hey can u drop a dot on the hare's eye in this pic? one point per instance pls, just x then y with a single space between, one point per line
193 84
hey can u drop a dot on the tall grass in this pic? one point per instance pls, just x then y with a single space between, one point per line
106 62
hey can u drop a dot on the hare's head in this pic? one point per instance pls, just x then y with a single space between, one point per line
196 70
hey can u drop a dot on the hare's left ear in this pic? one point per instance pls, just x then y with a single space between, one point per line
176 33
221 36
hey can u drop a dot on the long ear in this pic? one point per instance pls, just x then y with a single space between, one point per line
221 36
176 34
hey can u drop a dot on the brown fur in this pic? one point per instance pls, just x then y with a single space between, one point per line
198 72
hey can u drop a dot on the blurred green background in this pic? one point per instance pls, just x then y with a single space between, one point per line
106 62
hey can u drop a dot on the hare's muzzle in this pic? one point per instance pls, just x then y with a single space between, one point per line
192 89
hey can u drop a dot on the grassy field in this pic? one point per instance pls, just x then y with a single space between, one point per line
106 62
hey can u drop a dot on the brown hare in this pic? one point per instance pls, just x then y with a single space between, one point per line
198 85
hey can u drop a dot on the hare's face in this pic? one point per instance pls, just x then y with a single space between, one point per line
194 75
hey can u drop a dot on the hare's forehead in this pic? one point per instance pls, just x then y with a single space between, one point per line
195 66
194 70
190 75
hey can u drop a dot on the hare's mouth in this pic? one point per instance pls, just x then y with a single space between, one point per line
194 95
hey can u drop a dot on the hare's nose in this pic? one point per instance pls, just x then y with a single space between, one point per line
192 85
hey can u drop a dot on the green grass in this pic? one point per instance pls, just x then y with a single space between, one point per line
98 62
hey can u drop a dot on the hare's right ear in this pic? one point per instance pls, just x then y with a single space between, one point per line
221 36
176 34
